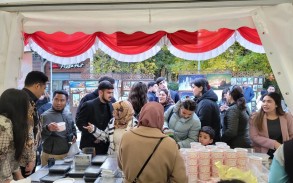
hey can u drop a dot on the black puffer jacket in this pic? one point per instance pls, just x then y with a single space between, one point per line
208 112
235 129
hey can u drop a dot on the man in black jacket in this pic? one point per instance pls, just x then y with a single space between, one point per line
95 94
97 112
56 140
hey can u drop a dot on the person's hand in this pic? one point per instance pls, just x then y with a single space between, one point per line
8 181
29 168
165 129
277 145
53 127
168 131
223 107
74 139
90 127
17 175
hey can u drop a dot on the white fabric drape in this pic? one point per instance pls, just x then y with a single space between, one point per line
275 27
11 49
130 21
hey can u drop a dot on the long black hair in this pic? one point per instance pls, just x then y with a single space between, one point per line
138 96
14 105
201 82
260 114
236 93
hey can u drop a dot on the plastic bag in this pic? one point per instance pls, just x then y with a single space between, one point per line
73 150
226 173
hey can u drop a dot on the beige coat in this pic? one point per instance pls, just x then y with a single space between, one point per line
166 164
260 139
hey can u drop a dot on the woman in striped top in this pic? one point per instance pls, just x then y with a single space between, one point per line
123 120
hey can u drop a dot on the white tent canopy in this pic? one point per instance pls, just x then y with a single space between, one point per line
273 20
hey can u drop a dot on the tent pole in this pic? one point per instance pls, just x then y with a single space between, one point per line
198 67
51 80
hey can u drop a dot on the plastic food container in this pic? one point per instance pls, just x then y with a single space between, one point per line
62 126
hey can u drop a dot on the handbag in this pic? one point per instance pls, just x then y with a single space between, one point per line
146 162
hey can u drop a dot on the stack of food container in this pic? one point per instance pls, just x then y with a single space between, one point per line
200 160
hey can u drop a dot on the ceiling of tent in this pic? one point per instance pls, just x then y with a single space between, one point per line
29 2
110 17
149 16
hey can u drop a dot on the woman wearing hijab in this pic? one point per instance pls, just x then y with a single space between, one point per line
123 119
137 144
165 99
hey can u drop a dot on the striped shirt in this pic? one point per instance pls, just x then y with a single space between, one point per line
112 135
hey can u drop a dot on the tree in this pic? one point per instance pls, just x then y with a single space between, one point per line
164 61
103 63
235 59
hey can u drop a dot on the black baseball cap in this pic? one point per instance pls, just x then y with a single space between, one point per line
160 79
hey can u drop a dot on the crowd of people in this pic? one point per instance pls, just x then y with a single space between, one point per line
147 129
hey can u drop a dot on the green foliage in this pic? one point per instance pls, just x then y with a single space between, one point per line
103 63
254 62
235 59
164 61
173 86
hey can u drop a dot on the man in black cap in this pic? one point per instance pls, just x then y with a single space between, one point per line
162 84
97 112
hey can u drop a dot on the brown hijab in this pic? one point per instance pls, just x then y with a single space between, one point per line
124 112
152 115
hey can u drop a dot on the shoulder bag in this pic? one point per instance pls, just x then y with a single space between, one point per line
146 162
